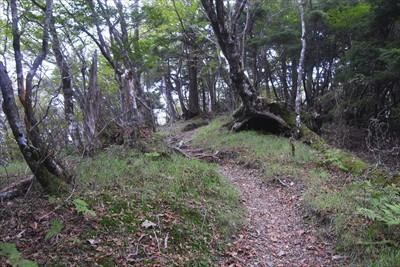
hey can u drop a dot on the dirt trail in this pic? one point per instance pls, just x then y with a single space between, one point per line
275 233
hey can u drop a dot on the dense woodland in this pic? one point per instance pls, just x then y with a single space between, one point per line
94 73
79 76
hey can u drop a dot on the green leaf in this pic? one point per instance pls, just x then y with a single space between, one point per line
56 227
152 154
10 251
82 207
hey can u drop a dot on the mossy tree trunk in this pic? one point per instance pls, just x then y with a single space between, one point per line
228 35
48 170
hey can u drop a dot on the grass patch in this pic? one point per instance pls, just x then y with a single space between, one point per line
11 256
13 172
188 201
270 153
140 207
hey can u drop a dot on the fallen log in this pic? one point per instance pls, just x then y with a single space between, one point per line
16 189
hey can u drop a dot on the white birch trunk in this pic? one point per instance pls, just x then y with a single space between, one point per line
300 68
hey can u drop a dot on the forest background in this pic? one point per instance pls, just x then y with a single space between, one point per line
78 77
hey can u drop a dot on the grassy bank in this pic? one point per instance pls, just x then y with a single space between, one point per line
145 209
338 190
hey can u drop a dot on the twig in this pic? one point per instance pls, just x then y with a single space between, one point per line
204 219
166 241
179 151
158 241
60 205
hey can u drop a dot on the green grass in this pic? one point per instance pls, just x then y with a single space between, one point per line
334 188
13 172
17 167
196 210
135 185
267 152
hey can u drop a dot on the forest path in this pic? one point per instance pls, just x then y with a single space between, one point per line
275 233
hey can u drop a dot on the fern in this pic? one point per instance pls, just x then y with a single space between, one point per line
82 207
10 251
383 204
334 157
56 227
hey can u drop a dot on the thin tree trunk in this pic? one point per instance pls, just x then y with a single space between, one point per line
66 85
168 98
133 113
294 89
91 112
49 171
178 88
49 178
194 105
300 70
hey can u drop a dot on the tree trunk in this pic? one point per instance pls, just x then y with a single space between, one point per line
178 89
50 175
133 114
194 106
300 71
48 170
169 100
91 113
66 85
254 113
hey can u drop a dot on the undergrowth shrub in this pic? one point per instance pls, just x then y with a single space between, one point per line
382 204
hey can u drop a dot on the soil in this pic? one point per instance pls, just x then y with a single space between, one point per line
275 233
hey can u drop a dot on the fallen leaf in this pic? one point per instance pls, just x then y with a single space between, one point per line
93 241
146 224
281 253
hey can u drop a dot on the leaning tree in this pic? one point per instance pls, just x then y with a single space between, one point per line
255 112
48 170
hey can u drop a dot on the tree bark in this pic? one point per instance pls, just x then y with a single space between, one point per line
48 170
92 111
229 42
300 71
194 107
169 100
66 85
133 113
52 178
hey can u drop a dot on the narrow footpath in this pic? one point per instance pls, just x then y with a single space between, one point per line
275 234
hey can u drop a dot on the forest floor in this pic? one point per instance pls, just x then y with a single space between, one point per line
153 207
275 232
